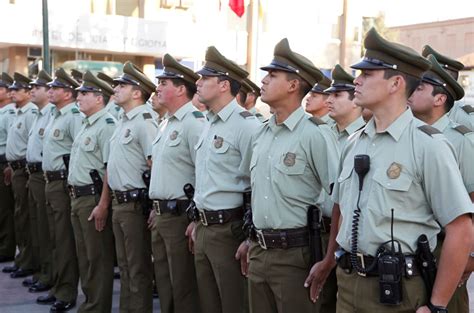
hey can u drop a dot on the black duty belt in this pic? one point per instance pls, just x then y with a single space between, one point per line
34 167
3 159
175 207
220 216
17 164
326 224
282 238
344 262
51 176
80 191
127 196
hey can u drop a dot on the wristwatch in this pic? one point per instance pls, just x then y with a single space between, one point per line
437 309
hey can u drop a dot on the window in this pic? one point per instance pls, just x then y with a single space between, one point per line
127 7
175 4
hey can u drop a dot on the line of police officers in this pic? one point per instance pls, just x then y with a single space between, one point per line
219 201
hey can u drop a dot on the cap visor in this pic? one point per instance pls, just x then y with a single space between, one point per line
272 67
336 89
121 81
365 65
204 72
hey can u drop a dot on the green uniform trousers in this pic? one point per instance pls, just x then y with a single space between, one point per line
174 265
222 287
95 253
361 294
7 209
133 246
66 268
276 280
42 240
24 258
328 296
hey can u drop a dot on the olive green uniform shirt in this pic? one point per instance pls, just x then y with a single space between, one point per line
90 149
413 172
7 115
174 155
130 148
463 145
349 130
223 158
291 164
328 120
34 151
17 140
463 114
59 136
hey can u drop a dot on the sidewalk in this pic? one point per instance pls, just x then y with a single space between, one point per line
14 298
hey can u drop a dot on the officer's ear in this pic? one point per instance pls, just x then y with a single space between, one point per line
440 99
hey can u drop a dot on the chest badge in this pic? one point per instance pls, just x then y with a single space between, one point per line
56 133
18 125
41 131
218 141
394 170
127 133
87 141
290 159
174 135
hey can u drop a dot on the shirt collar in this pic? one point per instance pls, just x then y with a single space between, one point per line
67 108
26 107
355 125
290 122
225 112
46 109
134 112
182 111
94 117
395 129
442 123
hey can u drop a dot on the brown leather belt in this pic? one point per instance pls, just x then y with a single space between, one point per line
17 164
51 176
34 167
175 207
220 216
344 262
80 191
282 238
127 196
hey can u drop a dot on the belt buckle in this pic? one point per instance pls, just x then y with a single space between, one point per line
360 256
28 169
203 218
45 176
156 206
261 239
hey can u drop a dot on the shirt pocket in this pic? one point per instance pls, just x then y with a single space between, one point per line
89 144
220 145
126 138
291 164
174 143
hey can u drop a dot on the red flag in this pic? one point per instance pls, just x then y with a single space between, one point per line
237 6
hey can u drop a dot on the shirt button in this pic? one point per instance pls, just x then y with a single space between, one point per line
266 217
269 157
388 184
266 198
268 178
373 145
275 137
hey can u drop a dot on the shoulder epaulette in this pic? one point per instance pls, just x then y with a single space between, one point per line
317 120
463 129
245 114
147 116
468 109
75 110
258 115
117 108
34 111
429 130
109 120
198 114
11 111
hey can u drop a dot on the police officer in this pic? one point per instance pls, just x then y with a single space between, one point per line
90 200
342 109
57 143
247 98
39 223
111 107
289 168
129 158
222 176
408 180
316 101
431 102
461 112
173 167
7 208
17 142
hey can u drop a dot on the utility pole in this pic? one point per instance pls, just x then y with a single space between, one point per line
342 35
46 55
